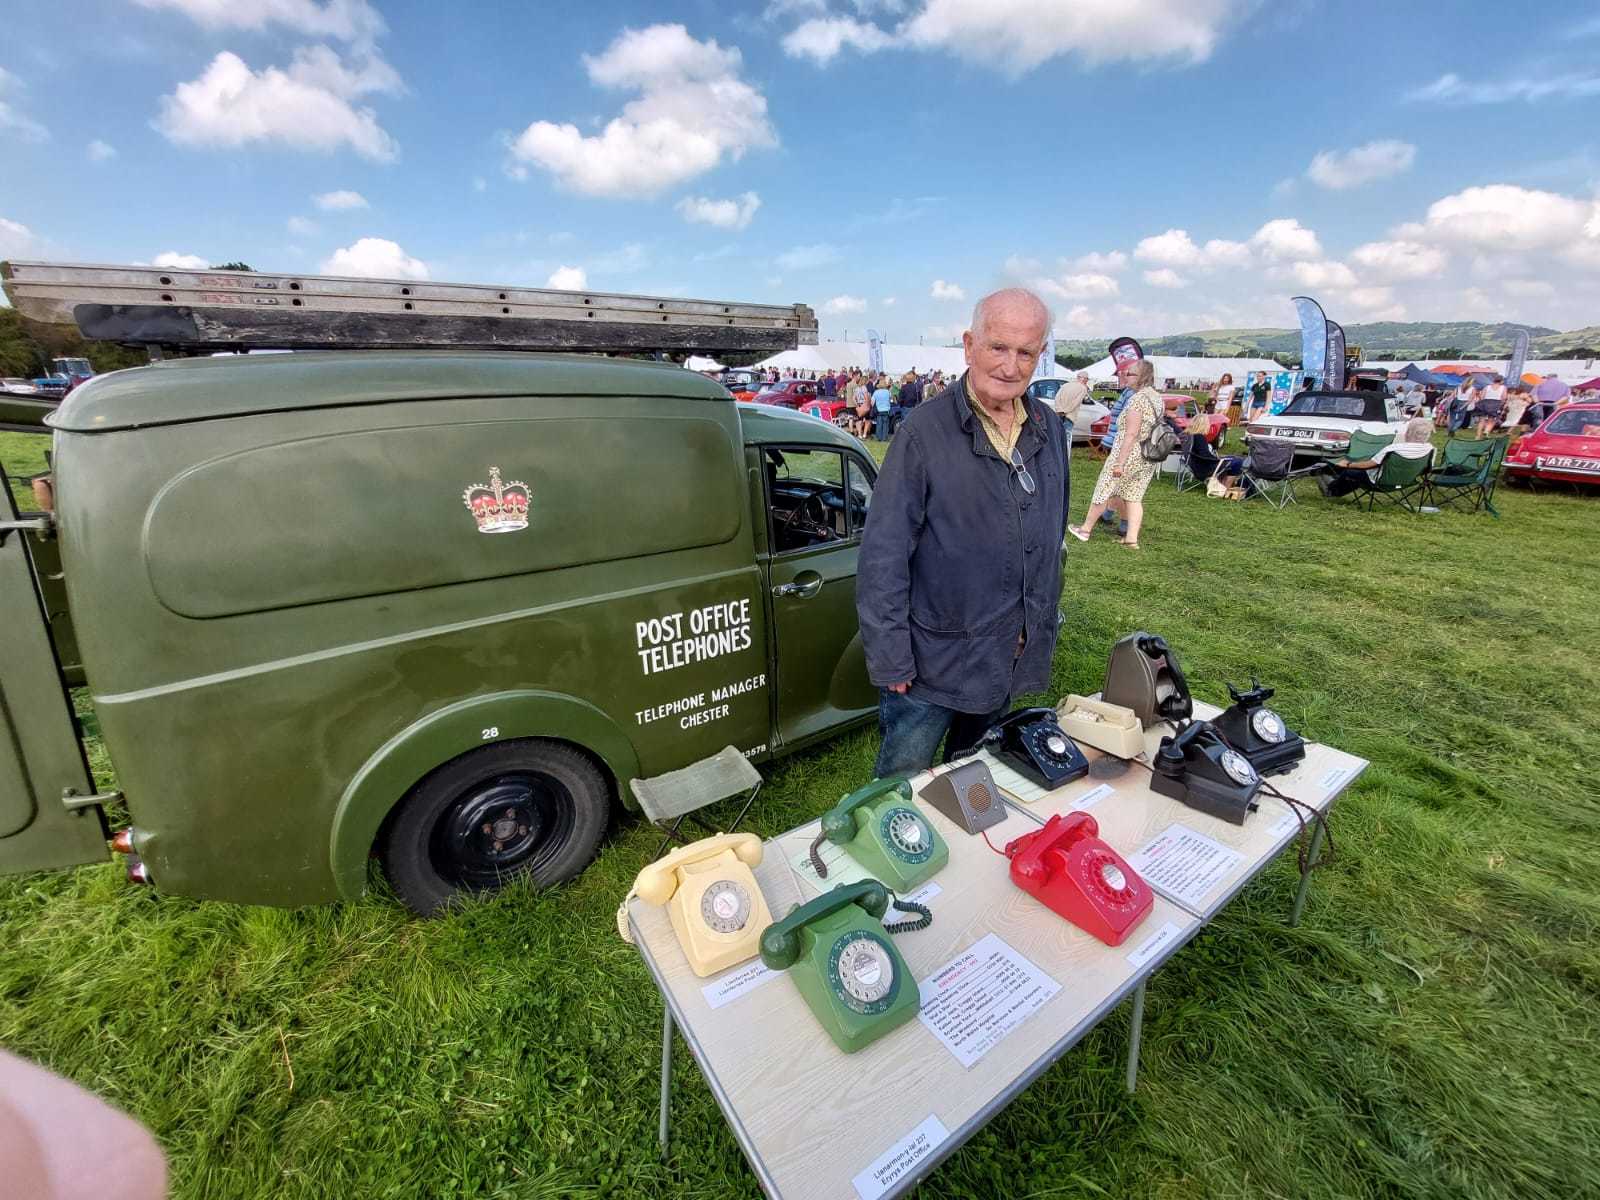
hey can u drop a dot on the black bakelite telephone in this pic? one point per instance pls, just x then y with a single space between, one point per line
1143 674
1031 740
1258 732
1196 766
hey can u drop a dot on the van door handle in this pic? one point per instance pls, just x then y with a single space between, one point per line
806 586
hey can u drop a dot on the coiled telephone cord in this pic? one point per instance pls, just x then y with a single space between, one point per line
909 906
816 859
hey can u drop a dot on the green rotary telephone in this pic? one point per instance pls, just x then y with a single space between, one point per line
881 828
854 981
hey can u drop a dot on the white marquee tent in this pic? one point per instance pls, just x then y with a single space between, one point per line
897 358
1185 371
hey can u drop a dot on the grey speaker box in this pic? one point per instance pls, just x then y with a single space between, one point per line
967 795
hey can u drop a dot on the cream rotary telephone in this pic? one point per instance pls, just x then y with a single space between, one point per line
715 904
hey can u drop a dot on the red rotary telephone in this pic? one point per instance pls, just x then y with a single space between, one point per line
1068 868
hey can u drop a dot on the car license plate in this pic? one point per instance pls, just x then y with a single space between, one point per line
1309 434
1567 462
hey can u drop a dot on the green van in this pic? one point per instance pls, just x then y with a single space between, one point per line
435 606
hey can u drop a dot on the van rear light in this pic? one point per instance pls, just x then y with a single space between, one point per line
122 841
138 872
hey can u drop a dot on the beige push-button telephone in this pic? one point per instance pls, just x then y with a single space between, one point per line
712 897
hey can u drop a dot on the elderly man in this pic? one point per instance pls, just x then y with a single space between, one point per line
1071 397
959 578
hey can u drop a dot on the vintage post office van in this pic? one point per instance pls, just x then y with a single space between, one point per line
437 607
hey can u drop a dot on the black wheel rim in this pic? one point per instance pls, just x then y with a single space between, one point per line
501 826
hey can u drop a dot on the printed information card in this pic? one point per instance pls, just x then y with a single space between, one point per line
972 1002
890 1167
1183 865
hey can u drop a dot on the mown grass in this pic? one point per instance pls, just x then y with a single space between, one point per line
1429 1030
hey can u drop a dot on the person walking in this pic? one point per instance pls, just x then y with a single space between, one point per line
1126 473
958 586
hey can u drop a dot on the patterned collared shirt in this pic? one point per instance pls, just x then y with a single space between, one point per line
1003 446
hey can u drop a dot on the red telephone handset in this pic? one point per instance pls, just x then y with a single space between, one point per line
1067 867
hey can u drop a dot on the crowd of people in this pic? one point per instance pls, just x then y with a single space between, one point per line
877 402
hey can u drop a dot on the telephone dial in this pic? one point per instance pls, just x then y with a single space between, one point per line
1197 767
716 907
1258 732
1143 674
1070 870
881 828
1031 740
852 978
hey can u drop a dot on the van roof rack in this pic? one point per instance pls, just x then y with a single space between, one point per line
189 311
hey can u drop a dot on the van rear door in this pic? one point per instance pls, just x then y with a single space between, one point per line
41 758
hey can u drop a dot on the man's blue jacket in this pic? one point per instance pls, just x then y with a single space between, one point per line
958 563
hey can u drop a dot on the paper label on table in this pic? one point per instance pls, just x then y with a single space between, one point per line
890 1167
1184 866
1154 944
738 982
1331 779
1093 796
841 867
978 997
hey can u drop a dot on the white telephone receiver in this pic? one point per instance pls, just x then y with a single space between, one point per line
712 898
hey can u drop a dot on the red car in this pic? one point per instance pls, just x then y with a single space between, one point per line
824 409
1181 411
1565 447
787 393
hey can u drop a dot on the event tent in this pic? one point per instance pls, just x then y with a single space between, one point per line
898 358
1185 370
1570 370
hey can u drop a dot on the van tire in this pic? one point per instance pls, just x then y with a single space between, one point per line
547 802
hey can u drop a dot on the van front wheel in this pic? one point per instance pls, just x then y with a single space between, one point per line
529 807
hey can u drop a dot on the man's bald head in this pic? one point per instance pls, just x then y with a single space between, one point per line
1012 304
1008 333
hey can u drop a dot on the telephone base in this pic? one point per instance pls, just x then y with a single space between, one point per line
1275 760
1225 803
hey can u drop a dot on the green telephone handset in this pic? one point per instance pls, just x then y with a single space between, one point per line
882 830
852 978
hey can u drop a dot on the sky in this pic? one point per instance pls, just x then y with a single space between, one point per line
1147 166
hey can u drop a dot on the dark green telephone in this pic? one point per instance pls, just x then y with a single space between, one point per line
882 830
853 979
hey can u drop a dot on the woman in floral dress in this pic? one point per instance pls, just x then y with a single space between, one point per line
1126 472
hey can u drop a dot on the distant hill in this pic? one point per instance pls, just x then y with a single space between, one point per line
1401 339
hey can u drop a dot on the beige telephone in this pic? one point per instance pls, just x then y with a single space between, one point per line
715 904
1108 727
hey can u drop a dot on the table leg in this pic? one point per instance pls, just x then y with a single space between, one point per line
666 1070
1312 855
1135 1032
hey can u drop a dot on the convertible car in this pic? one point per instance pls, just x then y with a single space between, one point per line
1565 447
1320 423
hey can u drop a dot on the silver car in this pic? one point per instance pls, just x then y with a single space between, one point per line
1320 423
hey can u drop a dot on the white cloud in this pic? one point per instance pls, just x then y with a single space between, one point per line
693 110
568 279
1108 263
1391 262
179 262
1340 170
1329 274
1079 317
308 107
346 20
840 305
99 151
1175 248
1504 217
1536 289
17 240
336 201
821 38
11 120
1286 238
735 213
947 291
1452 89
1082 286
1165 277
301 227
376 258
806 258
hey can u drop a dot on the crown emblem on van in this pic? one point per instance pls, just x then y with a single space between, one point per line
498 507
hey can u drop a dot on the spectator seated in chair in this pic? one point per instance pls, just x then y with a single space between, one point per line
1340 477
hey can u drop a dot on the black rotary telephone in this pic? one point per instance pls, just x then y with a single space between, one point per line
1258 732
1197 767
1031 740
1143 674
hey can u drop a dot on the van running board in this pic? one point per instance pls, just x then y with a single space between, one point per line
169 309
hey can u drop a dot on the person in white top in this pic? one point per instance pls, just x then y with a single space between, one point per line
1414 442
1491 407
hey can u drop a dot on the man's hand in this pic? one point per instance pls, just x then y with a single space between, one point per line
900 688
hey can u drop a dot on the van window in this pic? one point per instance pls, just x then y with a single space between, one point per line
805 498
860 495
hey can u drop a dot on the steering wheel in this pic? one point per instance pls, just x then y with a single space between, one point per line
814 528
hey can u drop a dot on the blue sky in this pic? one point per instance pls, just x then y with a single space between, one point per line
1150 166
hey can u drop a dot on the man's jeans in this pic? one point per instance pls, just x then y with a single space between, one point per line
912 728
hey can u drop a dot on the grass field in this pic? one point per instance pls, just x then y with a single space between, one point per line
1429 1030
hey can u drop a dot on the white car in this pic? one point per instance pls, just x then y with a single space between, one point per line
1089 411
1319 423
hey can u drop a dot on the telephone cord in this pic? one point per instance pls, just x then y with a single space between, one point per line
909 906
816 859
991 845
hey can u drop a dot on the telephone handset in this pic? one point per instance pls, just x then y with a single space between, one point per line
1259 733
1197 767
1067 867
855 982
1031 740
881 828
712 897
1143 674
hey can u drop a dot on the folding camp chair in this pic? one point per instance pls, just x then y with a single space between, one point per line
678 795
1401 480
1466 475
1269 472
1197 462
1363 446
